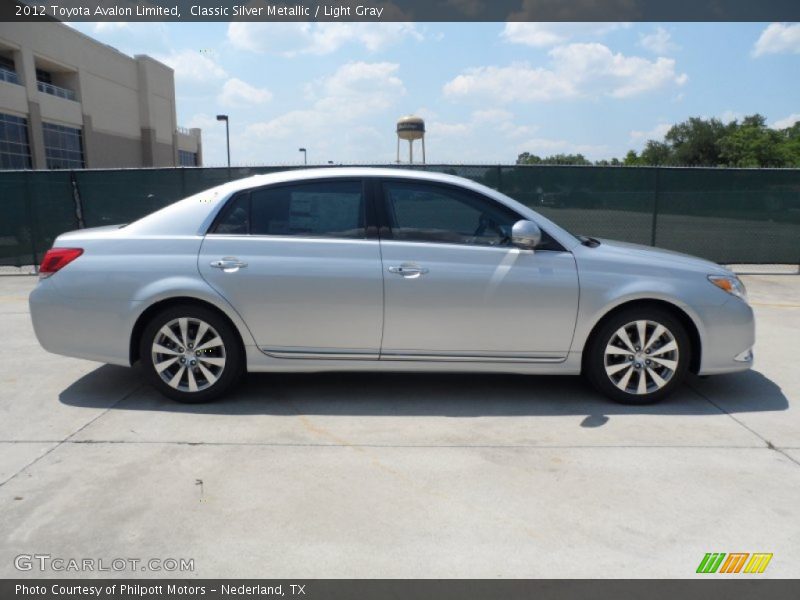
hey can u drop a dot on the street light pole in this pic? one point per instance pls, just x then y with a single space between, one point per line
227 136
305 155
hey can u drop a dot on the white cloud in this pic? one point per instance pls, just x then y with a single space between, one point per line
237 93
354 91
656 133
292 39
193 66
110 26
496 120
492 115
658 42
203 121
543 35
359 88
126 36
438 130
778 38
576 70
786 121
729 116
465 141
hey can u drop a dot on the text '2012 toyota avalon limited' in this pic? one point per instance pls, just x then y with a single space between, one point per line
382 269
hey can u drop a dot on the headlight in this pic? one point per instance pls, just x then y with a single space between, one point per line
732 285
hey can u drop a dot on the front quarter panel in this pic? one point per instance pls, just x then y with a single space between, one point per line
724 324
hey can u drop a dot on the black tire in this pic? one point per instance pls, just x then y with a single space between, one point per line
595 359
229 354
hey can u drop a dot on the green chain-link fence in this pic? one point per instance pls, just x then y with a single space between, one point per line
726 215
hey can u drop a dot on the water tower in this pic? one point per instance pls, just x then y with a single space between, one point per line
410 128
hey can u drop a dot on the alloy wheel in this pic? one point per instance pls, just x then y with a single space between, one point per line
188 354
641 357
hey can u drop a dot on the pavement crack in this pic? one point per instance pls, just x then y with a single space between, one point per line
768 444
423 446
68 439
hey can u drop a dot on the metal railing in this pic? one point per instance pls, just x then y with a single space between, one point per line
184 131
54 90
9 76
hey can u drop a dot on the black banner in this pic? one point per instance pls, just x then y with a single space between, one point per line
401 589
400 10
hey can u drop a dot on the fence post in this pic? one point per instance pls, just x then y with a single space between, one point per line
499 178
656 198
33 226
76 197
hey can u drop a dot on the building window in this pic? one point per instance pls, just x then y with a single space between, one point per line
15 152
187 159
44 83
43 76
8 71
63 147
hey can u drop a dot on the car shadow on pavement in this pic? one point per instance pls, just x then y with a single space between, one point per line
426 394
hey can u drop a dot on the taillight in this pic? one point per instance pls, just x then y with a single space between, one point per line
56 259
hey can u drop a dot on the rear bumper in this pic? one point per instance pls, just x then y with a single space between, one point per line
80 327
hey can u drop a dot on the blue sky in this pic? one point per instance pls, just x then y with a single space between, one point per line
487 91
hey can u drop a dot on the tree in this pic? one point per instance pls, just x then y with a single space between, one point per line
699 142
791 144
614 162
527 158
656 153
696 142
753 144
631 159
710 143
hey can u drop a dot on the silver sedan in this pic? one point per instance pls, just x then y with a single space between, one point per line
358 269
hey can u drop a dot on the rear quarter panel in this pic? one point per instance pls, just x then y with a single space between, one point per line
89 309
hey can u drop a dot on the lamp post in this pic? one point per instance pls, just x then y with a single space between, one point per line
227 136
305 155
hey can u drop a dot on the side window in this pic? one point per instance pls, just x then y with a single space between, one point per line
236 218
325 209
431 213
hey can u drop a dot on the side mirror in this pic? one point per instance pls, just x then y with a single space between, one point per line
526 234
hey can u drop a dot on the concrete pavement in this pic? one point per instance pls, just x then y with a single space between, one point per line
391 475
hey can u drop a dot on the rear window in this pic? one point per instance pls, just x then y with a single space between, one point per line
319 209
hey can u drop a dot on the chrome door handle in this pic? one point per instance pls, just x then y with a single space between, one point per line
228 264
408 271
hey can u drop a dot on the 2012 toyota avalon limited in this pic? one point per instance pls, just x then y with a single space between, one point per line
382 269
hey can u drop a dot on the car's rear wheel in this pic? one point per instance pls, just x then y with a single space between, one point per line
191 354
638 356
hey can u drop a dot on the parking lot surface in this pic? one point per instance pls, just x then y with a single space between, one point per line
400 475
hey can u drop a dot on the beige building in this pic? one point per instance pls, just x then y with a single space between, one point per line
68 101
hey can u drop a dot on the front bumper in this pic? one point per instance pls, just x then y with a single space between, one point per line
727 338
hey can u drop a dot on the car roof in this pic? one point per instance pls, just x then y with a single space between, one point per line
339 172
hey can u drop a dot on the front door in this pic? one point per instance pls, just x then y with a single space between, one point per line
455 288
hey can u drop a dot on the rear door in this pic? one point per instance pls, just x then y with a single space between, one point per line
456 289
296 263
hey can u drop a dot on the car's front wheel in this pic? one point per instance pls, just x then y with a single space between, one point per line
191 354
638 356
